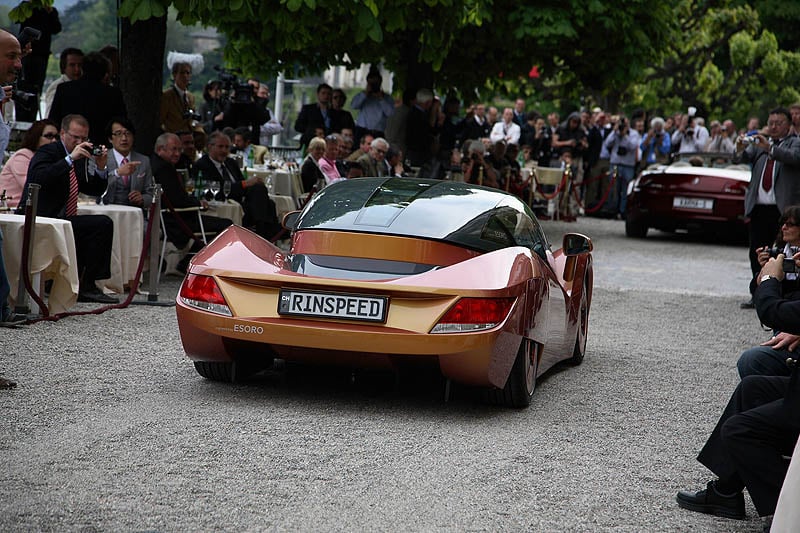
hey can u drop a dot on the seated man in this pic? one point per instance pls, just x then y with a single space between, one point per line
759 425
373 163
253 153
63 169
259 209
130 180
181 228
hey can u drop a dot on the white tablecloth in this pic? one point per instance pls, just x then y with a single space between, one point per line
127 245
283 204
230 209
53 256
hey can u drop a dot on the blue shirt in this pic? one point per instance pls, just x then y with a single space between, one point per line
372 112
5 130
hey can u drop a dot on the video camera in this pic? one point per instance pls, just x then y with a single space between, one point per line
233 90
26 100
28 35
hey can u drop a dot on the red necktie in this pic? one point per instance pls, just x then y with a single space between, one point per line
72 200
766 181
124 178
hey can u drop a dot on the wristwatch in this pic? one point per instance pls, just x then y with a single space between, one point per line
765 277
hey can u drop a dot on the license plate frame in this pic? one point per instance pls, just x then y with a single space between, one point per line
694 204
304 303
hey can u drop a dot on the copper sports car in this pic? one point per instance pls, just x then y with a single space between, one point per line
701 192
384 272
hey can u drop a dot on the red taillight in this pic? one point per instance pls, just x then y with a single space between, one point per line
739 188
471 314
203 293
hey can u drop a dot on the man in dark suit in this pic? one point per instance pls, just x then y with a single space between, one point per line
63 169
759 425
259 210
181 227
130 180
90 97
774 184
318 115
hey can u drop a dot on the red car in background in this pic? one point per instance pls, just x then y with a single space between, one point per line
698 192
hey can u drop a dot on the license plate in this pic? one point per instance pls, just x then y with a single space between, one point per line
333 305
702 204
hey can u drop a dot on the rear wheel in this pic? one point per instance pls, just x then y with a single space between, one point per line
237 371
215 371
635 227
583 326
521 382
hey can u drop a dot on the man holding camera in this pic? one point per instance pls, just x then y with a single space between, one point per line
178 112
622 145
374 107
690 137
656 143
774 183
758 427
63 169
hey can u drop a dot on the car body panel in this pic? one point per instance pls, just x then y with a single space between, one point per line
250 274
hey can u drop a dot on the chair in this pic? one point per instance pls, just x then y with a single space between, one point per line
547 176
172 253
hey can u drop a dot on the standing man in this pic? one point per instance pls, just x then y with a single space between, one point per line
507 129
318 115
34 65
374 107
520 118
774 183
177 103
259 209
130 180
63 169
71 63
10 63
420 130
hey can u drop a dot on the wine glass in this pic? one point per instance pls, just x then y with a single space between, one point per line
188 184
214 187
226 189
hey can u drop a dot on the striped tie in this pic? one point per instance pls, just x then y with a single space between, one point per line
72 201
124 178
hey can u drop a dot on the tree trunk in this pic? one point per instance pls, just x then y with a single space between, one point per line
141 77
418 75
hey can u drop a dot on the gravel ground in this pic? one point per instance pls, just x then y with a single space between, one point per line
110 428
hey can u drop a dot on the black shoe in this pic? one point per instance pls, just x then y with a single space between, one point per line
747 305
6 383
13 320
709 501
95 295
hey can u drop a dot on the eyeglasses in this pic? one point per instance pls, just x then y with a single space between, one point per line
380 150
77 138
121 133
789 224
50 136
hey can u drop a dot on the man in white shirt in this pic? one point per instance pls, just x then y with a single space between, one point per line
506 130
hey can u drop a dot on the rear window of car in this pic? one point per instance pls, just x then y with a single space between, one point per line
355 268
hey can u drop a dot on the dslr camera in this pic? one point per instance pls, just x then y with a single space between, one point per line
190 114
788 263
97 150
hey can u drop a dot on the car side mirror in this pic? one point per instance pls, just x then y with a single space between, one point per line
290 220
576 244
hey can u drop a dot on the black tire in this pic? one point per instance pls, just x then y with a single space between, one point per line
521 382
635 227
215 371
579 351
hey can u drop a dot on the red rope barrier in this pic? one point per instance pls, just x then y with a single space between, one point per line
558 190
598 205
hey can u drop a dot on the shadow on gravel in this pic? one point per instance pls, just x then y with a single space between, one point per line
423 389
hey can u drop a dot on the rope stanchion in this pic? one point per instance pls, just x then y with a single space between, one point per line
558 190
603 199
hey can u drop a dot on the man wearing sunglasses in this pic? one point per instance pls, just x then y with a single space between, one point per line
63 169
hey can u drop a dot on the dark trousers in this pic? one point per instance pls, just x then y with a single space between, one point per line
94 235
762 230
754 432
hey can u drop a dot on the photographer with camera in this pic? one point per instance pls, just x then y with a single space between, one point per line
37 31
622 145
691 135
656 143
63 169
374 107
774 182
177 110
